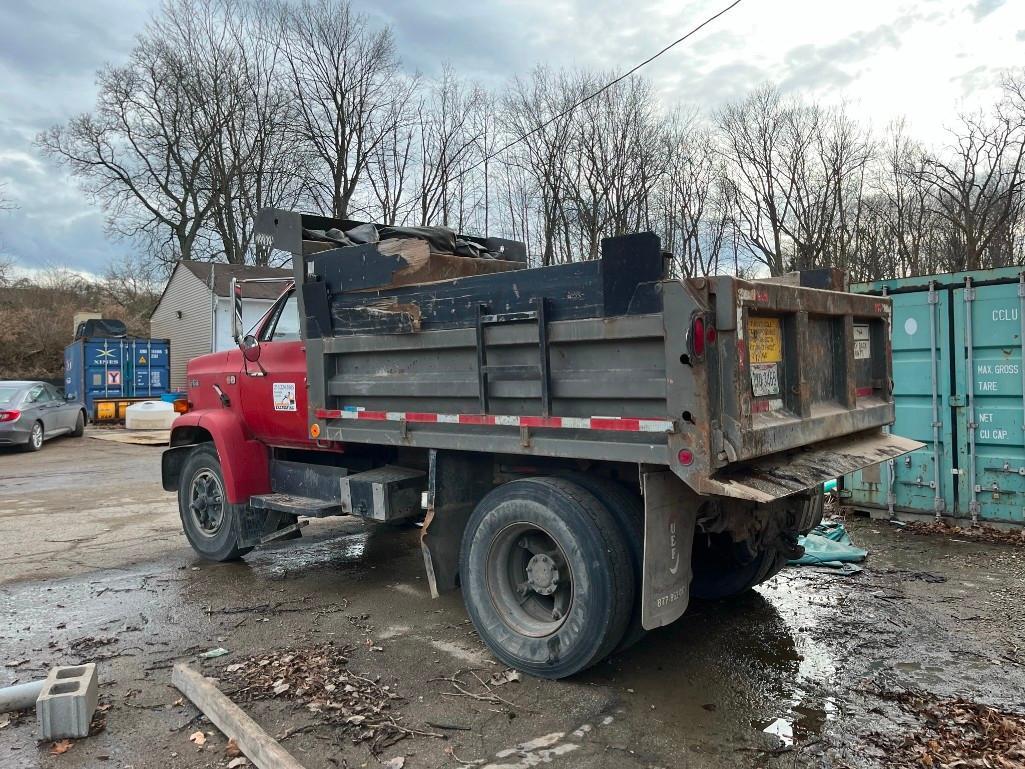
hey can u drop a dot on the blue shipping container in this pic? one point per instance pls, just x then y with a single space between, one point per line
96 368
959 380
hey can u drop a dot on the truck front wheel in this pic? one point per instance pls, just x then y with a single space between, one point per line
546 576
211 523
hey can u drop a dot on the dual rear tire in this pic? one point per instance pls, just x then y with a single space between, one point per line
548 574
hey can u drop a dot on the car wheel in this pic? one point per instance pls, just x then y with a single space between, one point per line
35 437
79 430
211 523
546 576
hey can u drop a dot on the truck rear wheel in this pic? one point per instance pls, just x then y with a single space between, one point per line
211 523
627 508
546 576
723 568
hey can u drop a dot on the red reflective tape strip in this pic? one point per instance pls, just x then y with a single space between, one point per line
541 421
418 416
625 424
476 419
620 424
863 392
759 407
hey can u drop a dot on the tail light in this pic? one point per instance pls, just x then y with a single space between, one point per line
181 406
9 416
702 334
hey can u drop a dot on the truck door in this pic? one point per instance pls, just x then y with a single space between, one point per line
274 404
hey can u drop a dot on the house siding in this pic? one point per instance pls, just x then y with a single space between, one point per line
190 335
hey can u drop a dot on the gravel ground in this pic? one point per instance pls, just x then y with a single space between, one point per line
94 568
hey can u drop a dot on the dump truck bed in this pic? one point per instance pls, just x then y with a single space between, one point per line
750 389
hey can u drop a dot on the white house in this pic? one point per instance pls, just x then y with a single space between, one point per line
195 310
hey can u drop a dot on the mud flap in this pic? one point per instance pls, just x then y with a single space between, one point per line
669 523
456 482
787 472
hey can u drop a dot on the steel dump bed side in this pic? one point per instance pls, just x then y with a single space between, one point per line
792 392
747 389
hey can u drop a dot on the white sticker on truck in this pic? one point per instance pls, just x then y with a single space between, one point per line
764 379
862 343
284 396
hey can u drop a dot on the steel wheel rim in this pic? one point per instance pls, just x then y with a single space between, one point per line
206 502
529 579
37 436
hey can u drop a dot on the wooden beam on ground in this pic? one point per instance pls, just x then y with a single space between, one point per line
258 746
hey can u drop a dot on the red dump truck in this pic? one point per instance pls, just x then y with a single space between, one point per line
598 442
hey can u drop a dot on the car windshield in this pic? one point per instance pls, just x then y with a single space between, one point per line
8 394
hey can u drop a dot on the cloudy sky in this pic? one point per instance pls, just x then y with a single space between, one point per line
923 59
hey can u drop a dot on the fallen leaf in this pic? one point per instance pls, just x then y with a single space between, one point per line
231 750
218 652
281 688
61 747
395 763
5 721
240 761
198 737
505 677
233 668
178 702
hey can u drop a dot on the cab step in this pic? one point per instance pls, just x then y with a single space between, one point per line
294 505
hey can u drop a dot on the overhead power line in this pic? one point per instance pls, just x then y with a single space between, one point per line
602 90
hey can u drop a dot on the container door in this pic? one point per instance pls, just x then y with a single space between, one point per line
991 456
922 480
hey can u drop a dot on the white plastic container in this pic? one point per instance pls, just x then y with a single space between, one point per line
149 415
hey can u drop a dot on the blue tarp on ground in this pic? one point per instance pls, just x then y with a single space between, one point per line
829 545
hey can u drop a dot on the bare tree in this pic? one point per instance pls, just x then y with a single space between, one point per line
143 153
537 113
345 84
976 183
692 210
446 139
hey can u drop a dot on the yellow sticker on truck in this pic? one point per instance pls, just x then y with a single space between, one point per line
764 340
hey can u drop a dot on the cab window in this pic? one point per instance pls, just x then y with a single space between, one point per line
284 325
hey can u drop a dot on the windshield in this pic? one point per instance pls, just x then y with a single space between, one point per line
8 394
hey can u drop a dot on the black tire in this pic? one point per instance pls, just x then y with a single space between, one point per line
35 438
628 510
210 522
535 528
723 568
79 430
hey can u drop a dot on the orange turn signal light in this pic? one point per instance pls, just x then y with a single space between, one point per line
181 406
314 430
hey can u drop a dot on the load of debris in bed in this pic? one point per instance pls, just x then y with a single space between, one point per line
441 240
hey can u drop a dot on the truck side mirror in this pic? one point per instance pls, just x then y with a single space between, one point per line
236 312
251 348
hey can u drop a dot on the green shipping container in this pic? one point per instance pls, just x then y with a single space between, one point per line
958 384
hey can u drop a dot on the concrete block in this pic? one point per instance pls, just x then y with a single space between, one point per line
67 702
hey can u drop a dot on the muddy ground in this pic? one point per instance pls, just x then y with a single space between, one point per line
94 567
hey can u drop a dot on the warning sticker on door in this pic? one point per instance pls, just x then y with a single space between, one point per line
764 379
765 340
862 343
113 377
284 396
